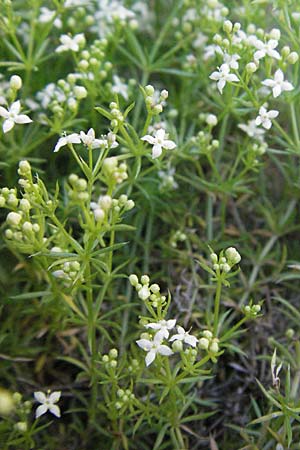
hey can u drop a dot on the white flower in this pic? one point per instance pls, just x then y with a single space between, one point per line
231 60
73 138
184 336
119 87
278 84
89 139
162 327
252 130
70 43
159 141
153 348
47 403
264 117
266 48
222 76
13 116
46 15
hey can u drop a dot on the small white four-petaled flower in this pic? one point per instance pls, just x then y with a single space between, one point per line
159 141
70 43
153 348
162 327
12 116
48 402
89 139
184 336
264 117
278 83
266 48
222 76
252 130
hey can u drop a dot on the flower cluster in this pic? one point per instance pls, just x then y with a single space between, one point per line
148 292
114 172
70 272
60 98
224 263
209 343
155 100
154 344
88 139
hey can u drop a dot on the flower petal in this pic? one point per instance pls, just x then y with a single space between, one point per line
156 151
8 124
54 409
150 357
40 397
3 112
164 350
15 107
160 134
42 409
149 139
22 118
54 396
169 145
145 344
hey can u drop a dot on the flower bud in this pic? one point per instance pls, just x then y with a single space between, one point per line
251 67
133 279
149 89
13 219
177 346
6 402
15 82
227 26
24 205
113 353
144 293
211 120
293 58
145 279
203 343
207 334
214 347
80 92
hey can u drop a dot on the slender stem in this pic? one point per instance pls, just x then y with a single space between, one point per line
217 305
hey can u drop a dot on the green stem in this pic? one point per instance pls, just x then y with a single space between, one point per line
217 306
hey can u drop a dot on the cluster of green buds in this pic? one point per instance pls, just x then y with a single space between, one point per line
17 407
79 17
122 204
117 116
69 272
110 360
114 172
61 97
176 237
204 143
226 260
154 102
188 356
92 63
251 311
125 399
209 343
230 29
134 366
148 292
77 189
101 207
